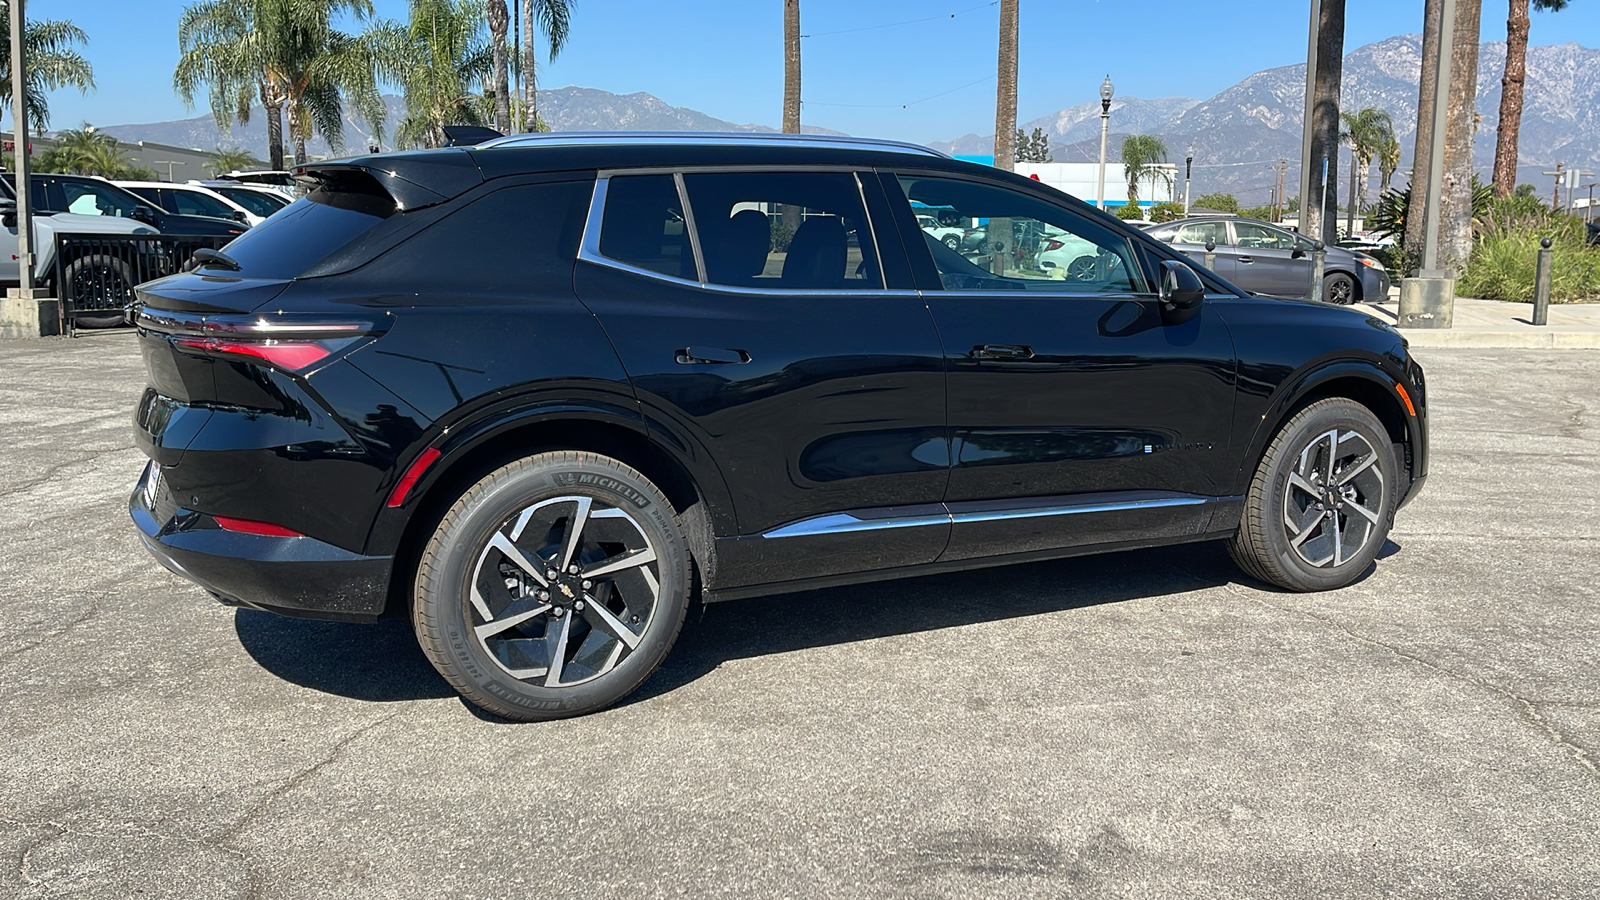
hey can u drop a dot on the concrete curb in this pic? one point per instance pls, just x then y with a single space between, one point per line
1489 325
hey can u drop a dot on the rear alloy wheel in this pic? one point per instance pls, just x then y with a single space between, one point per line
1339 289
1321 503
99 288
953 242
553 587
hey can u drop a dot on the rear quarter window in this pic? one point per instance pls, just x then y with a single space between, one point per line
517 240
308 231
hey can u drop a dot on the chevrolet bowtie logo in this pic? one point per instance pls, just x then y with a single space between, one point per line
566 590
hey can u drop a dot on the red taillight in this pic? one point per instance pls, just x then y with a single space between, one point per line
1054 245
409 479
291 355
249 526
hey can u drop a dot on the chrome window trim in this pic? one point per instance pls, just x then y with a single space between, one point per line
845 523
716 139
589 244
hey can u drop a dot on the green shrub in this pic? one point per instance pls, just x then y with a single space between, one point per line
1130 211
1259 213
1166 212
1506 254
1219 201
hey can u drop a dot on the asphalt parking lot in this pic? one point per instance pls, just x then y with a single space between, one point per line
1146 724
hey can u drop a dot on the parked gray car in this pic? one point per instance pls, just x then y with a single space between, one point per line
1266 259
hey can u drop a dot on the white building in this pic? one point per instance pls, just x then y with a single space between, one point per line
1082 180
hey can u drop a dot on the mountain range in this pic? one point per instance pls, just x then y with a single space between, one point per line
562 109
1239 133
1235 135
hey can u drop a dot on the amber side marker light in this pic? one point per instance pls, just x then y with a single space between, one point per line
1407 398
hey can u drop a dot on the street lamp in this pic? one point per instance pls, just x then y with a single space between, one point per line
1105 125
1188 175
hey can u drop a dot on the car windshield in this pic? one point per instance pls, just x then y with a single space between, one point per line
195 203
255 201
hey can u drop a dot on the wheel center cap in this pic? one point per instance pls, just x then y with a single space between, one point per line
565 591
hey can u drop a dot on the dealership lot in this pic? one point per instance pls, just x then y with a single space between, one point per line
1140 725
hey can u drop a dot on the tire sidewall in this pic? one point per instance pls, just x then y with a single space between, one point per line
455 549
1320 418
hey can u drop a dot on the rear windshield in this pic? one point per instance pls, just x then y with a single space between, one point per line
307 231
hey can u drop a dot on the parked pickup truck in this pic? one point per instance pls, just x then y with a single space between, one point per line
99 279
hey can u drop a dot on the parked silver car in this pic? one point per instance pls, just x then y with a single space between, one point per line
1266 259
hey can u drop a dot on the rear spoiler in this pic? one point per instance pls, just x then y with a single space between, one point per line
468 135
413 179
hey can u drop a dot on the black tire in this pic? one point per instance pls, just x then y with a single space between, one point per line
99 287
1338 289
1282 498
467 583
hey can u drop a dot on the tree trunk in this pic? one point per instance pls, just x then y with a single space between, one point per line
273 104
1005 96
1511 87
499 21
1455 201
530 104
1421 149
1321 210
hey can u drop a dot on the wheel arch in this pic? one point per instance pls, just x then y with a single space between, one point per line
475 451
1363 383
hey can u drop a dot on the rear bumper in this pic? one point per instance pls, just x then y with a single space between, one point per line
295 576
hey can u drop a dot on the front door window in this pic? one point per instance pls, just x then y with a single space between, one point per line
1020 243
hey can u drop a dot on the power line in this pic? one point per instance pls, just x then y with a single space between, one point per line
804 102
959 12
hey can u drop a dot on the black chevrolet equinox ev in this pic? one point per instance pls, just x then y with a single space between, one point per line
538 394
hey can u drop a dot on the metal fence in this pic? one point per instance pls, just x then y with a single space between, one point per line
95 273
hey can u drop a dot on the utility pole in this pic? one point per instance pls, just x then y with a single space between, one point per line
1555 199
1005 99
19 129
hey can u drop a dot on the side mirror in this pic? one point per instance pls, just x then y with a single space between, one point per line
238 216
1297 253
8 213
144 214
1181 292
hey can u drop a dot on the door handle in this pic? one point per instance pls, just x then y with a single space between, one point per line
1001 351
1245 259
696 356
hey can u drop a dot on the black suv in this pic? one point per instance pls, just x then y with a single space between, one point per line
539 393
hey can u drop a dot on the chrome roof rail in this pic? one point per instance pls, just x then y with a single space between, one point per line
719 138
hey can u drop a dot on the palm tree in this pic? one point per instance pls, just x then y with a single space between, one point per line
499 22
1319 212
555 18
791 67
1140 153
1421 159
1367 129
53 62
1511 92
85 151
436 58
231 159
1005 99
1388 161
287 54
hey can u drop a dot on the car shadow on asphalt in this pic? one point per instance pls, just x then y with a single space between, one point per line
788 622
382 662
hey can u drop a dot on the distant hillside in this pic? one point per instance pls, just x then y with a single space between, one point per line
563 109
1240 132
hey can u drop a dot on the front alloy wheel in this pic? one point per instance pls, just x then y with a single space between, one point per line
553 587
1320 505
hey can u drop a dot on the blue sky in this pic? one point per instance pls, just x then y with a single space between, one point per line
922 80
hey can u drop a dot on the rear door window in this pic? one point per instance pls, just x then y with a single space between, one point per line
91 199
784 230
644 226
